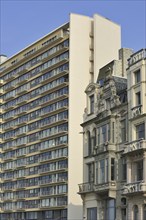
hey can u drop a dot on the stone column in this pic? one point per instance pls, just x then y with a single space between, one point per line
129 171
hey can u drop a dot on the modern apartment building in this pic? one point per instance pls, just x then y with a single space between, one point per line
42 101
114 148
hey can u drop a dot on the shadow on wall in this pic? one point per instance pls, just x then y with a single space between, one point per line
75 212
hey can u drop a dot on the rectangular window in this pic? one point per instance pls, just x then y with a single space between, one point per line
123 213
140 131
91 104
137 76
112 168
98 137
140 170
106 170
113 132
123 130
108 103
91 172
103 133
108 132
102 171
110 209
97 173
92 213
138 98
124 169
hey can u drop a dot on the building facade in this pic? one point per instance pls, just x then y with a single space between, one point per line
114 147
42 99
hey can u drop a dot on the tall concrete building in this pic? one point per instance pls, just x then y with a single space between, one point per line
114 134
42 101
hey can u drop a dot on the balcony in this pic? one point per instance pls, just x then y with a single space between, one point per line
106 188
102 189
136 111
56 53
58 63
135 146
86 188
11 87
139 55
104 148
133 188
1 91
1 82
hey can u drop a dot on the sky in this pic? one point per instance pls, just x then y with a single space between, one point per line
24 21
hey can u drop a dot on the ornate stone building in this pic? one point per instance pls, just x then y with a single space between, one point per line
114 141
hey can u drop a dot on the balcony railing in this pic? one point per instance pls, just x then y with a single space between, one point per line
135 146
137 110
98 188
135 187
86 187
104 147
105 186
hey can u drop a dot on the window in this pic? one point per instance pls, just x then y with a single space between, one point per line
123 130
123 213
91 104
102 168
91 172
138 98
94 137
140 131
123 208
137 76
102 171
98 135
139 170
103 133
112 168
124 169
108 103
144 212
89 143
110 209
92 213
135 212
113 132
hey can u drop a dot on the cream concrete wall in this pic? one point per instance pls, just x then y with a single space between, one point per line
107 42
78 80
81 39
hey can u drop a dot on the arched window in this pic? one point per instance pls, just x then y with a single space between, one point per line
89 143
135 212
144 212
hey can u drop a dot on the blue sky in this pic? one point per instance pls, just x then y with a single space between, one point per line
23 22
